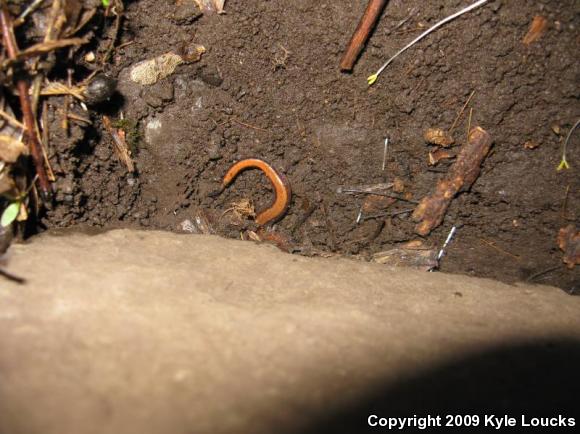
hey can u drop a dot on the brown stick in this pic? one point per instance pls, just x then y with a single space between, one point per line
30 132
431 211
361 34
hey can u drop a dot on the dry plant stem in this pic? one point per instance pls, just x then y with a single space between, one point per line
361 34
431 210
118 10
31 8
565 148
47 47
371 189
253 127
29 122
477 4
120 145
461 113
11 120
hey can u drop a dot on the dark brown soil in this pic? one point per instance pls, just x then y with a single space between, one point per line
269 86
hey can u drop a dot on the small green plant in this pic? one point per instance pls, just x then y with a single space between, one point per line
564 163
12 211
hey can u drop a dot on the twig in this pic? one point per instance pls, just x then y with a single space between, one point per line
403 21
461 176
383 215
331 230
78 118
369 189
461 113
541 273
45 139
120 144
362 33
47 47
469 122
253 127
31 8
371 79
505 252
11 120
56 88
118 10
565 203
374 192
29 133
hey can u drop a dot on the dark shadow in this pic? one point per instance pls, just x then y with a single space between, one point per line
532 379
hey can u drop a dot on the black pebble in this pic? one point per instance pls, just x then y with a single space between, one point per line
100 89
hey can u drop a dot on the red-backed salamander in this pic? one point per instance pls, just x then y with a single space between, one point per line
281 186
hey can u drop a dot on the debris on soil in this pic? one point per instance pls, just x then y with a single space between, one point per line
439 154
414 254
241 209
538 27
374 203
11 149
149 72
439 137
201 223
369 189
121 148
431 211
569 243
211 5
269 236
530 144
398 185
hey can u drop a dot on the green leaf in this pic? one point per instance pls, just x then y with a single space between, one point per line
106 3
10 214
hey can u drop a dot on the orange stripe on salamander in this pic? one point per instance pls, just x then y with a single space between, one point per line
281 188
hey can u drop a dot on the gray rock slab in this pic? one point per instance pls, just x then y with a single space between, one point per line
150 332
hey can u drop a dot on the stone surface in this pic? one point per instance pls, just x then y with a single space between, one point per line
148 332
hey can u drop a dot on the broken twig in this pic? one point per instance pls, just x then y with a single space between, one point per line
461 176
120 144
362 33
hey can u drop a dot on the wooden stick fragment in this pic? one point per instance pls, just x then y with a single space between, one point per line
431 210
362 33
121 148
